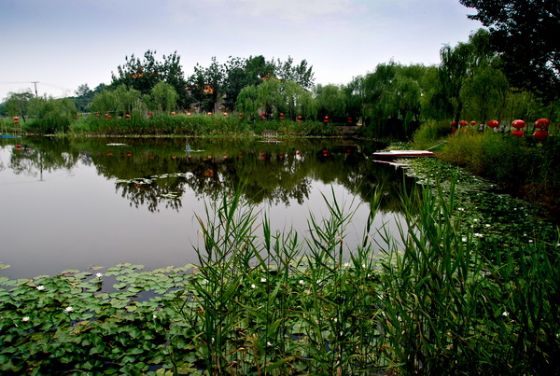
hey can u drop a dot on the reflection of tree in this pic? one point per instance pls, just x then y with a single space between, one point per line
156 173
37 155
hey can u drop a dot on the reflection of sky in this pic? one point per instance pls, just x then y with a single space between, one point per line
76 218
65 43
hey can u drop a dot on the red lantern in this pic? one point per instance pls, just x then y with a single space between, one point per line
518 124
463 123
349 120
473 123
15 119
281 116
453 124
540 134
299 118
326 119
542 123
127 116
517 133
493 123
150 114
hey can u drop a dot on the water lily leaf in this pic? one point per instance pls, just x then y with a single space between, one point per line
4 266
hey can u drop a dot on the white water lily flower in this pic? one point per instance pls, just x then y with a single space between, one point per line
487 225
263 280
99 275
40 287
253 286
461 209
68 309
25 318
301 282
154 316
346 265
478 235
464 239
530 240
505 314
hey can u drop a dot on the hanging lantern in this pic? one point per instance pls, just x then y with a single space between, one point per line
225 114
542 123
518 124
517 133
326 119
540 134
463 123
173 113
349 120
15 120
150 114
127 116
473 123
282 116
453 124
493 123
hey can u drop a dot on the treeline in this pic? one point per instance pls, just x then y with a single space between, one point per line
391 101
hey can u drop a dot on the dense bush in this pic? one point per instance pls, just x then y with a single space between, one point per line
50 115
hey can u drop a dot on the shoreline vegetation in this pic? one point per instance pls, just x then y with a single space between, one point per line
463 291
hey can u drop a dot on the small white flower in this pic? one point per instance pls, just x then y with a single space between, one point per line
487 225
99 275
154 316
268 343
478 235
530 240
40 287
475 220
25 318
253 286
68 309
464 239
301 282
461 209
346 265
263 280
335 319
364 266
505 314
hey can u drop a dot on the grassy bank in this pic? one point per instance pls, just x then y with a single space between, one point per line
449 296
180 124
521 166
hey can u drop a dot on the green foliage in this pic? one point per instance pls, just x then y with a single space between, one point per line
274 97
143 75
521 165
429 133
17 104
50 116
163 97
331 101
523 33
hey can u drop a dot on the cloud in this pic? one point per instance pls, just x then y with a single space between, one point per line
287 10
295 10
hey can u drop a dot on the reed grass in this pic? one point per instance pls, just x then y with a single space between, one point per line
433 301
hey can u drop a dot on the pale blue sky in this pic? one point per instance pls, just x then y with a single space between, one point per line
65 43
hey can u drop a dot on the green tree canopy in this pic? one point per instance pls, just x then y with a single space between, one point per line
525 33
163 97
144 74
17 104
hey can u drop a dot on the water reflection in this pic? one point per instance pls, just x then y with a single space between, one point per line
171 175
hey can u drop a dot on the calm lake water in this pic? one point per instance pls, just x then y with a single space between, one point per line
73 204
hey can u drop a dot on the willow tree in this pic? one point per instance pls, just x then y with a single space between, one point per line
163 97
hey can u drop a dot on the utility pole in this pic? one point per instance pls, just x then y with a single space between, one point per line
35 85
